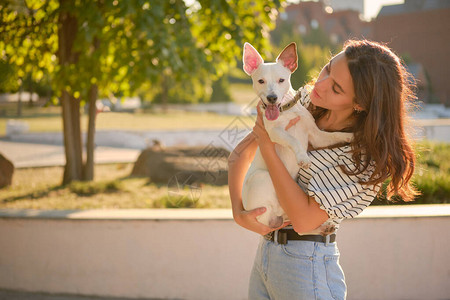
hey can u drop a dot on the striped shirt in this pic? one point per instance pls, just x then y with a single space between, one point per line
342 196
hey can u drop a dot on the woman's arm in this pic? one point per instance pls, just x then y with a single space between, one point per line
303 211
238 164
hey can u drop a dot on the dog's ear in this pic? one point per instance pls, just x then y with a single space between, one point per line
251 59
288 57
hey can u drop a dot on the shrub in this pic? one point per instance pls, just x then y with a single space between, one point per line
431 177
82 188
177 201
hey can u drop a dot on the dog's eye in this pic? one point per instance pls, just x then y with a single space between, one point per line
261 81
281 80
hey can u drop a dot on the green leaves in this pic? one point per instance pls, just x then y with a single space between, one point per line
22 28
222 27
123 45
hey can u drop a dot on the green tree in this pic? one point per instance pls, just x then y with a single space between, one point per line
93 48
221 90
8 80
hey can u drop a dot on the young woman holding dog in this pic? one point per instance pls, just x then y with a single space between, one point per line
364 89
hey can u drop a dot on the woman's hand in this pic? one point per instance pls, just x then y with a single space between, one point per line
292 122
247 219
259 131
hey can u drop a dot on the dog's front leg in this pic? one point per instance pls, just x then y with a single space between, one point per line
299 146
321 139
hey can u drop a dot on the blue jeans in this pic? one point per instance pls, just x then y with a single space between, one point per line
298 270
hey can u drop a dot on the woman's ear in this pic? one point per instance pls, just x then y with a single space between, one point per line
357 108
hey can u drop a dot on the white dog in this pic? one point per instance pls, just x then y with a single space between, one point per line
271 81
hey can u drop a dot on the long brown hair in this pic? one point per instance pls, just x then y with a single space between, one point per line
383 89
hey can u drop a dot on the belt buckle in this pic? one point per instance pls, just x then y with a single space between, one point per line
327 239
280 237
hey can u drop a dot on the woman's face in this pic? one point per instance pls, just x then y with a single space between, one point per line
334 88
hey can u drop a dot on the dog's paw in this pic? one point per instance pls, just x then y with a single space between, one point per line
340 137
304 165
303 161
348 137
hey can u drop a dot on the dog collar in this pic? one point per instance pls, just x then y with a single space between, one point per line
288 105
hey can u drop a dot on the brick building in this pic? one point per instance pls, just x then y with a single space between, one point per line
417 29
339 25
344 24
421 30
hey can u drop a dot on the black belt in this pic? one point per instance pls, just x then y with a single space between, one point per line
283 235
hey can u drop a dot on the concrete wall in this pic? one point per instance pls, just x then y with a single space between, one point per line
387 253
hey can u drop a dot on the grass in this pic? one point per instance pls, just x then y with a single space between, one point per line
39 188
432 176
172 120
242 93
48 119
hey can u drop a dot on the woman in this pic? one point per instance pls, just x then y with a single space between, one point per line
364 90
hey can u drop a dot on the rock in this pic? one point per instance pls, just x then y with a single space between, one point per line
204 164
6 171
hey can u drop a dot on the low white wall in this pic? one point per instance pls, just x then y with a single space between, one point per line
387 253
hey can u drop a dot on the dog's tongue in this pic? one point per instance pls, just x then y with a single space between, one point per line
272 112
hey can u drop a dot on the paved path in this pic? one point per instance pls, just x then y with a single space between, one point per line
26 155
14 295
113 146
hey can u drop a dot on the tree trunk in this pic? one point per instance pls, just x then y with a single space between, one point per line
70 170
165 92
19 100
31 90
67 30
90 143
78 140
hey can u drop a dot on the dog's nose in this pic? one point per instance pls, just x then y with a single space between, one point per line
272 98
